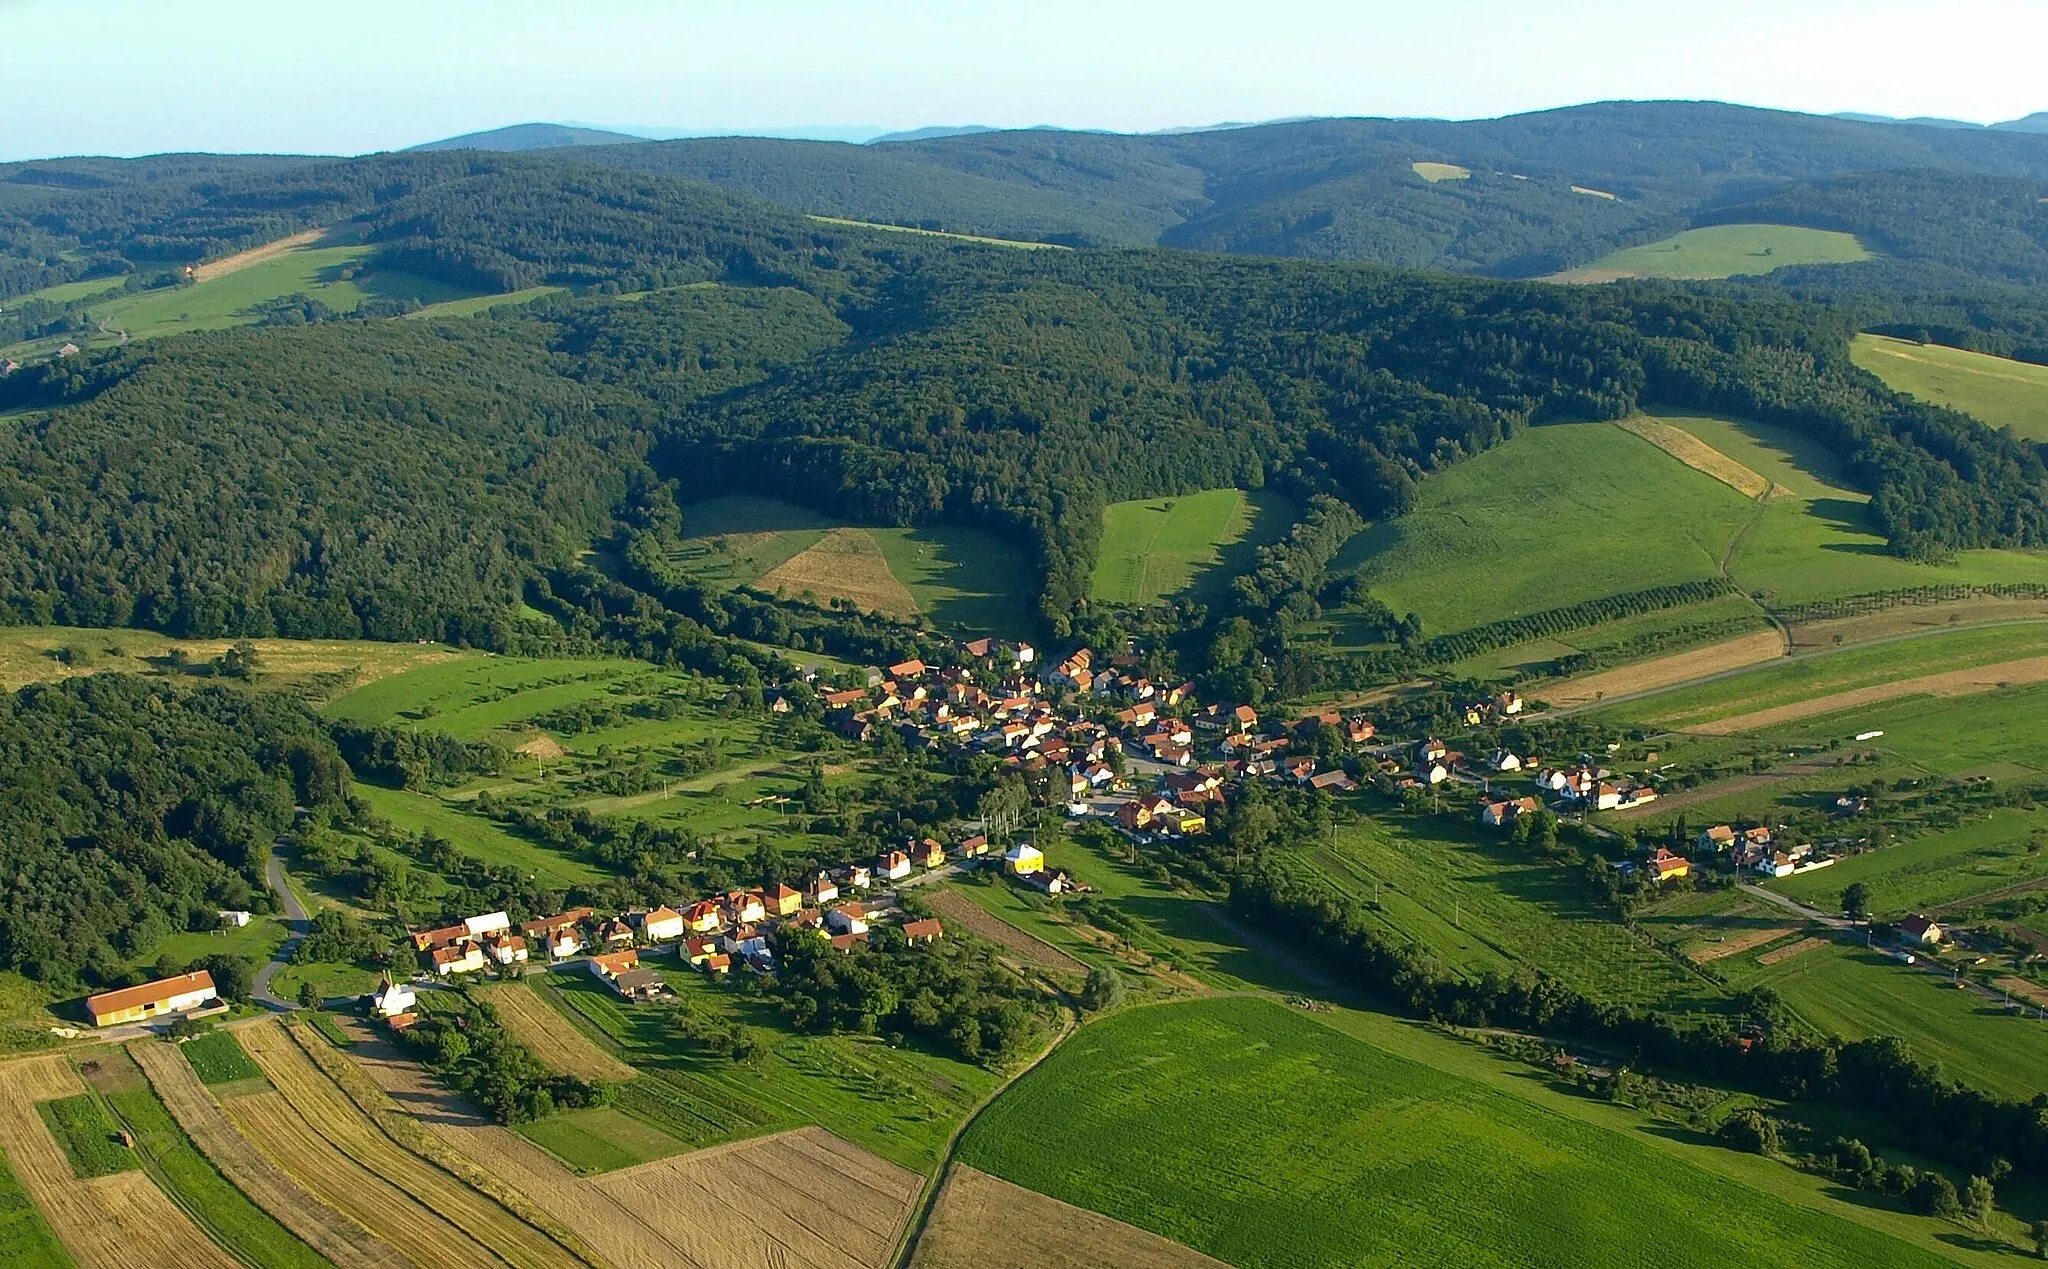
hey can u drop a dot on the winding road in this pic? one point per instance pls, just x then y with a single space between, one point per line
300 924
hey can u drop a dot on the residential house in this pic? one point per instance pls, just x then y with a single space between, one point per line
1662 865
911 669
1718 838
783 901
489 923
1023 859
458 958
612 964
979 649
703 917
1773 863
821 890
847 942
924 931
165 996
556 930
974 847
1432 772
1919 929
1359 731
1431 751
744 907
1504 760
1333 782
1502 814
506 949
639 984
1301 770
391 998
613 932
662 924
718 963
858 877
698 950
447 936
894 866
1509 703
847 918
1182 820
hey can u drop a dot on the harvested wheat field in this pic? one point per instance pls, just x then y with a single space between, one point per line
313 1222
802 1199
1740 943
114 1221
553 1038
964 912
982 1222
613 1230
1985 678
1698 455
1680 667
845 564
1790 950
255 255
326 1108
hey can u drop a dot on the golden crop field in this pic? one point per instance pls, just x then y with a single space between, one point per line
1698 455
802 1199
553 1038
319 1226
328 1109
113 1221
845 564
984 1222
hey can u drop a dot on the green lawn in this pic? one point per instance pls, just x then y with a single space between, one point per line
255 941
217 1058
2000 391
900 1103
425 813
601 1139
1560 514
1936 869
25 1237
1855 993
1260 1136
80 1125
1726 251
1158 547
224 1211
963 578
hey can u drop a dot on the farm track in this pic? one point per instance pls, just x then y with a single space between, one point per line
613 1230
323 1105
312 1222
108 1222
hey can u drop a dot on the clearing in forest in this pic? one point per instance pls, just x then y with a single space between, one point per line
108 1222
984 1222
553 1038
2000 391
255 255
1434 172
1698 455
844 564
1719 251
1153 548
802 1198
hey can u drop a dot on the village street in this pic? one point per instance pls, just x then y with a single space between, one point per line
299 924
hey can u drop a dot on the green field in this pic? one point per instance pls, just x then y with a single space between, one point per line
2001 392
425 813
1260 1136
1726 251
1854 993
1560 514
80 1125
1939 868
2003 734
901 1103
315 270
483 303
1159 547
472 698
26 1239
599 1140
217 1058
224 1211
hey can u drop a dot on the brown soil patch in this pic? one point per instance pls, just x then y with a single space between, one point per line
1596 193
1698 455
983 1222
1679 667
2032 993
109 1222
958 909
845 564
255 255
1738 944
553 1038
319 1226
1984 678
611 1229
1912 619
1791 950
544 747
800 1200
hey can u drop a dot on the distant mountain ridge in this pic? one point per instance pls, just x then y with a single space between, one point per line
521 137
2036 122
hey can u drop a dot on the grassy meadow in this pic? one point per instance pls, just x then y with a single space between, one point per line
1156 548
1724 251
1998 390
2005 849
1263 1137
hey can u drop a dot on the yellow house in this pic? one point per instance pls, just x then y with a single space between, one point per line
1187 822
783 901
151 1000
1023 859
703 917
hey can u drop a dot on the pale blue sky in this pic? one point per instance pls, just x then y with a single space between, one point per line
139 76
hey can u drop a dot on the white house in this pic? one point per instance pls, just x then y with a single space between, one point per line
1503 760
847 918
488 923
391 998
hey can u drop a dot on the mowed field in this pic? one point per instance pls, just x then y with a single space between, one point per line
1998 390
1722 251
549 1033
1260 1136
1159 547
984 1222
952 575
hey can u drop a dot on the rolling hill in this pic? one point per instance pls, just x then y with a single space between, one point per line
529 136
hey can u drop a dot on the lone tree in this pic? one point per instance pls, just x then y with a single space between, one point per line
1978 1199
1856 901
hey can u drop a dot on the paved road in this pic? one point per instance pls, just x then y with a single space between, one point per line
1793 905
299 923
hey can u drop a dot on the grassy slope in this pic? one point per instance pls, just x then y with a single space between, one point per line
473 698
1560 514
28 654
1999 391
1726 251
425 813
1260 1136
1855 993
1154 548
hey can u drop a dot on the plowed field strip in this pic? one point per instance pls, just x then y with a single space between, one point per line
962 911
114 1221
313 1222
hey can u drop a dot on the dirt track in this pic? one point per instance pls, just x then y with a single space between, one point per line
1984 678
